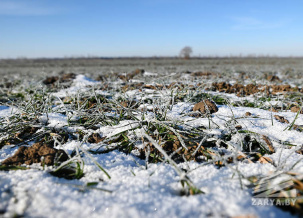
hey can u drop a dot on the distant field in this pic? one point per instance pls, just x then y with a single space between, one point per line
160 65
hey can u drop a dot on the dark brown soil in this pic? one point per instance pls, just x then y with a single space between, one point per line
281 88
95 138
281 119
300 150
295 109
206 106
67 77
34 154
268 143
298 127
63 78
248 114
273 110
131 75
203 73
273 78
25 134
50 80
242 90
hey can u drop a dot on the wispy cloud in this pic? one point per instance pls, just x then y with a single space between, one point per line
251 23
25 8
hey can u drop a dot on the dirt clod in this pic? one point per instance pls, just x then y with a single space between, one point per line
67 77
300 151
295 109
273 110
63 78
270 147
206 106
203 73
281 88
21 136
50 80
281 119
34 154
248 114
298 127
126 77
273 78
95 138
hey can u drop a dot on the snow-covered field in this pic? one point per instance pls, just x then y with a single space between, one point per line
126 170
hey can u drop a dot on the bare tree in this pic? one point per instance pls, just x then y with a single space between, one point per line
186 52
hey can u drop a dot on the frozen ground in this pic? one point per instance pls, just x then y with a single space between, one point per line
139 189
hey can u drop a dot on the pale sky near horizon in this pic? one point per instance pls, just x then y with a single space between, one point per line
117 28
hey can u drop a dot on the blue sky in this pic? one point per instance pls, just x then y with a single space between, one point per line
60 28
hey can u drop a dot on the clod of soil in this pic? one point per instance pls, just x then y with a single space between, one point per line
25 134
250 89
281 119
138 71
272 78
203 73
238 127
6 85
247 114
239 89
281 88
101 78
63 78
273 110
131 75
34 154
270 147
295 109
298 127
300 151
67 77
206 106
50 80
95 138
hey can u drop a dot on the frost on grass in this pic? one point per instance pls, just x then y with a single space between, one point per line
160 148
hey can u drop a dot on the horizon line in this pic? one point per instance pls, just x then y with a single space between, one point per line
152 57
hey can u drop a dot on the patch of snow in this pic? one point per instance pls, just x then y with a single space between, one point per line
149 74
7 111
54 120
80 83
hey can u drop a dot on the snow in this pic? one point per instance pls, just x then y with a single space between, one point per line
79 84
149 74
6 111
148 193
54 120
